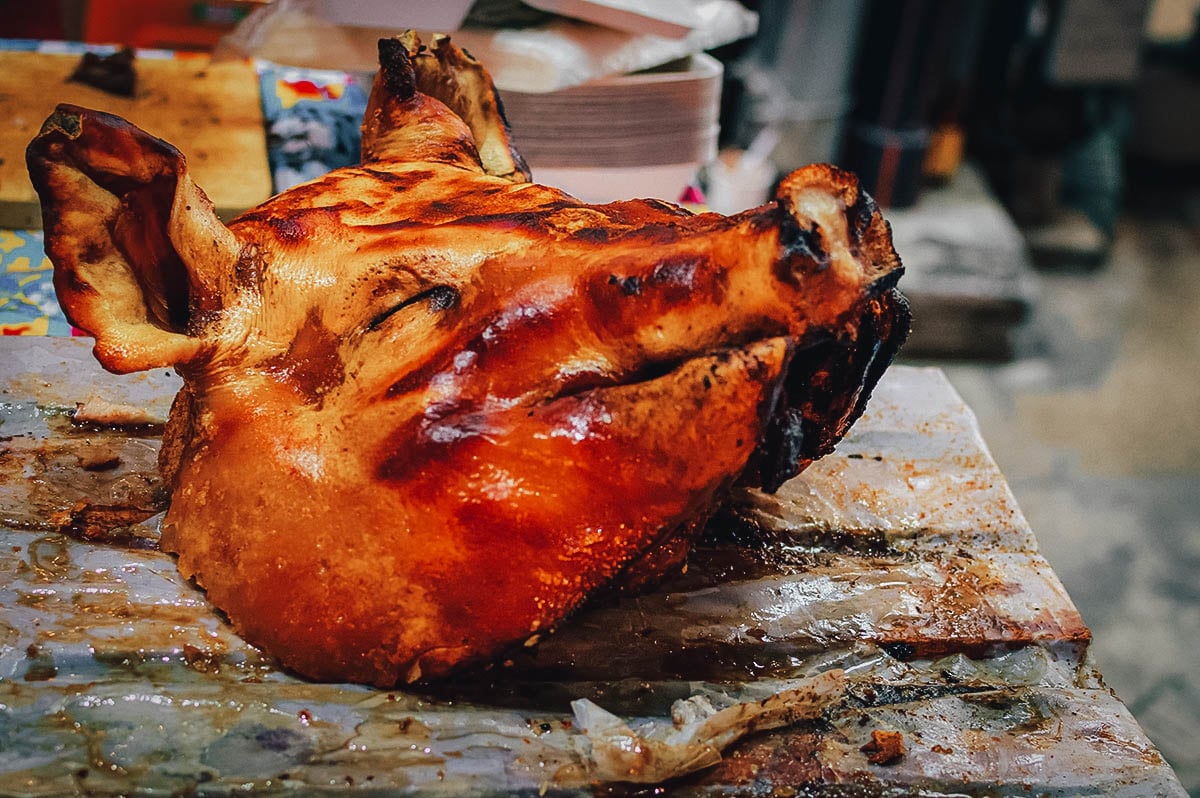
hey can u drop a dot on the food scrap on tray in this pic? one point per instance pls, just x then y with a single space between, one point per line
115 74
430 407
614 750
885 747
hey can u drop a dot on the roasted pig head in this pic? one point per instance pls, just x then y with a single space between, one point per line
429 407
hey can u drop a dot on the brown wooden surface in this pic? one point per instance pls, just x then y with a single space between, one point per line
211 112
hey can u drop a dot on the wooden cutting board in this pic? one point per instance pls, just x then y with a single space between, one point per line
211 112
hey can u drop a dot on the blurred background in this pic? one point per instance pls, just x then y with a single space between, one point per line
1039 160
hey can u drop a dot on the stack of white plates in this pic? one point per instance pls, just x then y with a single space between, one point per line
642 134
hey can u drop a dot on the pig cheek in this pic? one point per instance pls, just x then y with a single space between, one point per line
286 567
526 476
532 514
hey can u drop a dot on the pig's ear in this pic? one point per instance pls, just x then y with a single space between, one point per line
140 258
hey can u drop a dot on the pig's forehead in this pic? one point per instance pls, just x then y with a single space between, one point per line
362 224
364 232
406 197
379 213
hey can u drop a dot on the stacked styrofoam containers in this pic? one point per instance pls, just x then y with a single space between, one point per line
637 135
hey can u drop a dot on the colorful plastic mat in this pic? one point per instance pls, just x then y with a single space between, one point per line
27 302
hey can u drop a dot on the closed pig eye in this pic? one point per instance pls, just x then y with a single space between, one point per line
440 297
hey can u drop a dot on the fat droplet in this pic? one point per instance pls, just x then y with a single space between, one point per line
49 557
464 360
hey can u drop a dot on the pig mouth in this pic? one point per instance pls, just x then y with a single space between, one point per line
821 391
825 389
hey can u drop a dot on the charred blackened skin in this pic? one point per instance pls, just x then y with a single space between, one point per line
823 394
900 650
782 447
397 68
800 242
598 235
860 215
630 286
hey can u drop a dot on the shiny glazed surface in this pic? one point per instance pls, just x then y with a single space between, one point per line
429 407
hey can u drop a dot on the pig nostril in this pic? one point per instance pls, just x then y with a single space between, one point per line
630 286
803 242
802 251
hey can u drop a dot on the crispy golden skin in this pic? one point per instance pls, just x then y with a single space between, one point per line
430 407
